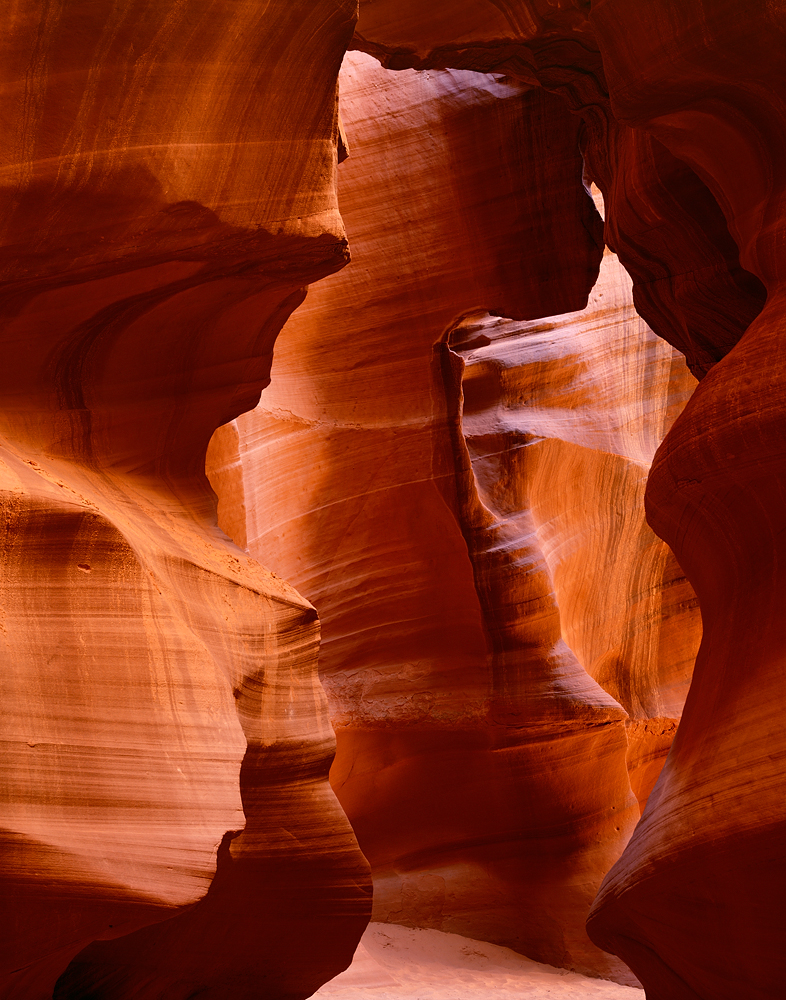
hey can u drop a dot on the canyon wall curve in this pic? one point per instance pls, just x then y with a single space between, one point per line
441 586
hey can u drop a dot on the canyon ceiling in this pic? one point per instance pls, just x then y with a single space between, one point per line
474 619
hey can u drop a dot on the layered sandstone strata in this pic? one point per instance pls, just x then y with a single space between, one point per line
695 902
506 649
166 742
664 221
460 494
557 425
686 142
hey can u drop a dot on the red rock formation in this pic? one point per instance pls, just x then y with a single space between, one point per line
688 152
166 198
695 903
483 769
561 420
664 221
168 190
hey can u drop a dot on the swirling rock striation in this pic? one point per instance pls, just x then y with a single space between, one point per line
558 426
663 221
683 110
437 467
160 695
694 903
484 768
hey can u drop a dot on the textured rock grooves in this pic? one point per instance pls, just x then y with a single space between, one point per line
160 693
449 465
716 494
683 107
452 547
551 507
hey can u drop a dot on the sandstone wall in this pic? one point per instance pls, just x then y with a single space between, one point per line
166 743
715 494
460 494
448 466
681 105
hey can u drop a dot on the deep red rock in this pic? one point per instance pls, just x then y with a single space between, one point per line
694 904
686 141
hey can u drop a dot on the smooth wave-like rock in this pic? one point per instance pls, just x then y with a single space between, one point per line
168 189
694 904
450 463
666 224
483 766
683 110
559 494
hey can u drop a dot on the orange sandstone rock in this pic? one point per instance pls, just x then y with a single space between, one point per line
165 201
663 220
449 464
561 420
683 109
484 768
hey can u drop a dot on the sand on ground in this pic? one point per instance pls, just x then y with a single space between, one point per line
402 963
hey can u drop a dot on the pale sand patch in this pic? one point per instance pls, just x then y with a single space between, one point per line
399 963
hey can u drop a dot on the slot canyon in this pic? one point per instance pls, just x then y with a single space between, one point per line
393 484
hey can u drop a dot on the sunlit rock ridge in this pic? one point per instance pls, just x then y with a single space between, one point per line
431 585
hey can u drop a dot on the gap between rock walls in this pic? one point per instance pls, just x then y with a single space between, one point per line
425 620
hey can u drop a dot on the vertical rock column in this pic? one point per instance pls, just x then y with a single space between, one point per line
557 425
484 769
695 903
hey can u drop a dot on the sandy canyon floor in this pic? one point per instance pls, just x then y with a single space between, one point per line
400 963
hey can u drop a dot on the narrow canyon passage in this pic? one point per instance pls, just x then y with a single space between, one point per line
392 499
506 646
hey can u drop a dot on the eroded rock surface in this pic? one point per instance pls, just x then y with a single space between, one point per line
683 110
704 860
161 704
664 221
482 764
449 464
559 425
